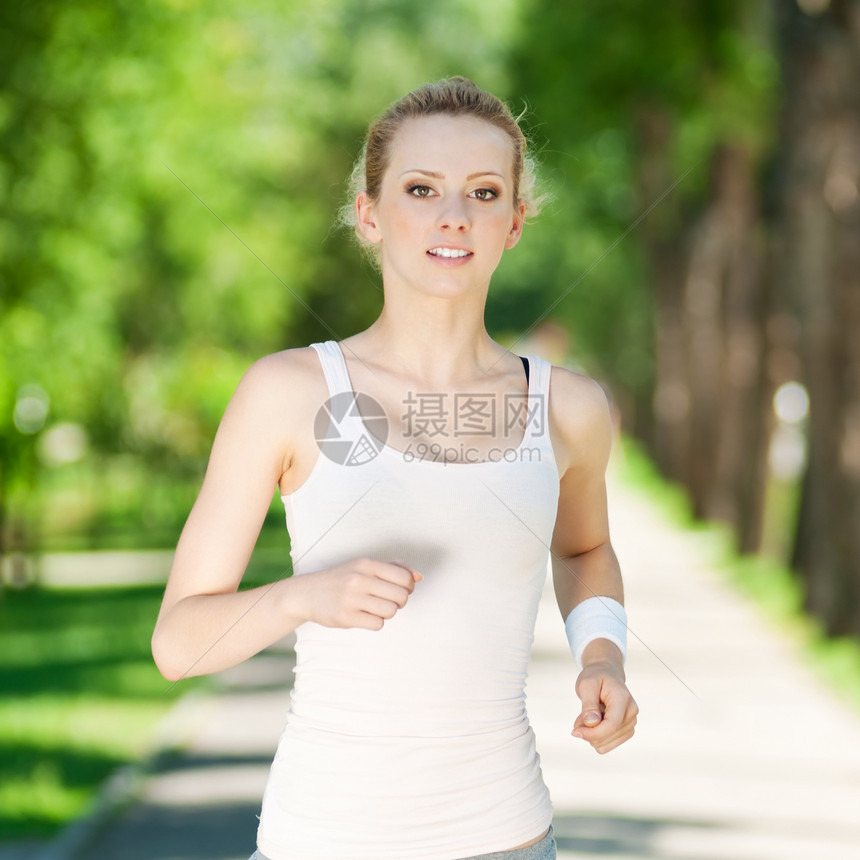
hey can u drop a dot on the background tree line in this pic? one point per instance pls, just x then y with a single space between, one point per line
750 265
170 172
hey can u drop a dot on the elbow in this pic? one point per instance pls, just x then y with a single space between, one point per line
164 657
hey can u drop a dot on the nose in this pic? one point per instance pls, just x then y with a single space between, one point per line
454 215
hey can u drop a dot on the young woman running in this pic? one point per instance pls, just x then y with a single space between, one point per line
426 473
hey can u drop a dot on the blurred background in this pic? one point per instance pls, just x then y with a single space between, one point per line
170 172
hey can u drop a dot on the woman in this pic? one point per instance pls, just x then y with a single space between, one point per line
426 472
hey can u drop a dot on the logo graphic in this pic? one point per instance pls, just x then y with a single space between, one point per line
351 428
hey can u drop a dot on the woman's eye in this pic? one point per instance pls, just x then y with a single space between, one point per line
420 190
485 193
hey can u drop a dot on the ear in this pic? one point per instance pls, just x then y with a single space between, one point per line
365 222
516 226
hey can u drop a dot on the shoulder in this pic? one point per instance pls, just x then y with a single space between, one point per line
280 392
580 420
282 376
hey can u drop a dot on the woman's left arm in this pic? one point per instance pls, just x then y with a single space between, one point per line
584 564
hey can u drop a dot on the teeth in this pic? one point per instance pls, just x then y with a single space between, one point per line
448 252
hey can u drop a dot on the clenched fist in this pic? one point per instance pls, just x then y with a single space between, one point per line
362 593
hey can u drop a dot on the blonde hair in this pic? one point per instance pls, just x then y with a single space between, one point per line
456 96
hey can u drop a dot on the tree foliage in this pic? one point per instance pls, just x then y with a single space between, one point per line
170 175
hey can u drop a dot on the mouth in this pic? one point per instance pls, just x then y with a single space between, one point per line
449 253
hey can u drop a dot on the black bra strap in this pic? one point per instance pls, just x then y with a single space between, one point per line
525 362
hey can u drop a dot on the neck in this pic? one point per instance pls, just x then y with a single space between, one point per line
434 339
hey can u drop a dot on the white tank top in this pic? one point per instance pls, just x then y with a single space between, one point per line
413 741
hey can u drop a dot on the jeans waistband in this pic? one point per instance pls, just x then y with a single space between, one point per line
543 850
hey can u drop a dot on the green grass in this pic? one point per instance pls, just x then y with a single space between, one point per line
80 692
81 696
767 580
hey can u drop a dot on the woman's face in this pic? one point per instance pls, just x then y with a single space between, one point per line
446 210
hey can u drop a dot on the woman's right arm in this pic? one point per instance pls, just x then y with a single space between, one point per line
205 624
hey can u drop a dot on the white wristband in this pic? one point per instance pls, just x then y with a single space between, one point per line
596 618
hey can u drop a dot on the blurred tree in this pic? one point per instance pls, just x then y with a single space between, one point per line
724 319
169 176
88 272
657 118
815 206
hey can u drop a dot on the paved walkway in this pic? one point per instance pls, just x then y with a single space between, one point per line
760 762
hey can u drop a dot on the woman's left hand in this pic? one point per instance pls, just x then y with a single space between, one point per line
608 715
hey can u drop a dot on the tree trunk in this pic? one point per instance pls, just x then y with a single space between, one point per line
724 322
661 235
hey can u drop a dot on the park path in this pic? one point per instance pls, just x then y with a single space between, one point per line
740 752
762 763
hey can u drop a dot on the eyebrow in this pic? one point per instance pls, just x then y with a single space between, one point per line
434 175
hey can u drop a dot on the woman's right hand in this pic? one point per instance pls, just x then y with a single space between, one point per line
361 593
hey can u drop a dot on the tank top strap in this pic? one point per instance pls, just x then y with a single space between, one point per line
538 401
334 367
